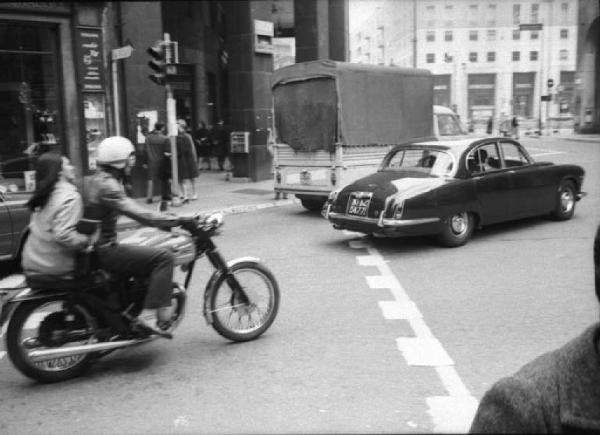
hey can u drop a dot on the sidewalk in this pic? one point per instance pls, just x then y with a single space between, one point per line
217 194
593 138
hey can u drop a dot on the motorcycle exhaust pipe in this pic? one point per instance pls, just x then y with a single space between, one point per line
49 354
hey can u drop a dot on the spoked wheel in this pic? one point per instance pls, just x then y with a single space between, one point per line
42 324
245 316
457 230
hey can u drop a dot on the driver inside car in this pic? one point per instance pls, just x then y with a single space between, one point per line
105 200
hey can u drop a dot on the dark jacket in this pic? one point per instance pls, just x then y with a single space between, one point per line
105 199
558 392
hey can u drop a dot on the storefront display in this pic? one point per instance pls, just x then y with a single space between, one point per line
30 106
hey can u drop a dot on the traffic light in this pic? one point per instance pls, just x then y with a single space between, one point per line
158 63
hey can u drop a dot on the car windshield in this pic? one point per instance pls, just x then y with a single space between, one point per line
448 125
426 162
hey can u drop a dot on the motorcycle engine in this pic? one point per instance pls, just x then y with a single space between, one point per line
180 244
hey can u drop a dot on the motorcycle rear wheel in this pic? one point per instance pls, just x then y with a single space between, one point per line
19 341
236 320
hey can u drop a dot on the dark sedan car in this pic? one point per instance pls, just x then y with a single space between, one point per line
448 188
14 219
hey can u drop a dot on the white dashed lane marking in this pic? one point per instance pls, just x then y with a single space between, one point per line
451 413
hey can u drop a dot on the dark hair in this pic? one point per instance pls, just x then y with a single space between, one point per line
597 262
47 172
159 126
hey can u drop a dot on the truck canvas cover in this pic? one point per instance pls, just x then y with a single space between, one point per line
322 102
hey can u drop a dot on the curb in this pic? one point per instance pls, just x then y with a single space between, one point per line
129 224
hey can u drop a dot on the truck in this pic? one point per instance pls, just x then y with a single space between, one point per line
335 121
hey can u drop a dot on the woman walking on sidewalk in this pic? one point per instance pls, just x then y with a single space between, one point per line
187 163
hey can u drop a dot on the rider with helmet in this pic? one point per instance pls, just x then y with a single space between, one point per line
105 199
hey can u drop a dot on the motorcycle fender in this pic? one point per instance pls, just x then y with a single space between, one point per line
27 294
214 280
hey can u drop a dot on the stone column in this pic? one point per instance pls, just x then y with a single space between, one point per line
249 76
321 28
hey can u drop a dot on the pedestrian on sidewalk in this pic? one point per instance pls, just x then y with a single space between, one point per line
558 392
515 127
157 150
187 163
220 137
490 125
203 148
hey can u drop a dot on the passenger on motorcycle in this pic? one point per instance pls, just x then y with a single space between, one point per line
105 199
56 207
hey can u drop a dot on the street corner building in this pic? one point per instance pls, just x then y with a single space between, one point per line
76 72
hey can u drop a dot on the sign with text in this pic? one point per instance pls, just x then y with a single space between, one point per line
89 59
240 142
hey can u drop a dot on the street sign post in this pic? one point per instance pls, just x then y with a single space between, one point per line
118 54
122 52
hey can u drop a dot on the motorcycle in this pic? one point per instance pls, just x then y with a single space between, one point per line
57 327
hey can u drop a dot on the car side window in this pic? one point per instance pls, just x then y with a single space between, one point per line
513 156
484 158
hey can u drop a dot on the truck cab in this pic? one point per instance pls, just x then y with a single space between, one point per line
446 123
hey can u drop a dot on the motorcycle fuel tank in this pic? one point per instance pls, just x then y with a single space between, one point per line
180 244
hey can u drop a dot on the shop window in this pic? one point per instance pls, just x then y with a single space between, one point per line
30 106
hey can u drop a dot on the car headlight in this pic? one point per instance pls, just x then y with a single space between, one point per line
333 196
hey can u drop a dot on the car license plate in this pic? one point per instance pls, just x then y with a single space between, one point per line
359 206
305 177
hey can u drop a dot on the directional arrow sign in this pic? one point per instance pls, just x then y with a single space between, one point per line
122 52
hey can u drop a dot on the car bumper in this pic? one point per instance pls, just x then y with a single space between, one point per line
384 226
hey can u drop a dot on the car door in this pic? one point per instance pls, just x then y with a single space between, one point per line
492 183
533 189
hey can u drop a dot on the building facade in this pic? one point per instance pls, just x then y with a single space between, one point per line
76 72
489 58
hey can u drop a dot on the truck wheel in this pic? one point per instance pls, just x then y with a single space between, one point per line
313 204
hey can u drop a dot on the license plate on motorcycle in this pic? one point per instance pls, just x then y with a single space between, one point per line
359 206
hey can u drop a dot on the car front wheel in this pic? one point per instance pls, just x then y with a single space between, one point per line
565 202
457 230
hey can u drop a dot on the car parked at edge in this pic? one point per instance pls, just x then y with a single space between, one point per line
449 188
14 221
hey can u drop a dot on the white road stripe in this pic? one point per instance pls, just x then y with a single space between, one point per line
452 413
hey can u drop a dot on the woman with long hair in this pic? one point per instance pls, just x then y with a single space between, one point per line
56 207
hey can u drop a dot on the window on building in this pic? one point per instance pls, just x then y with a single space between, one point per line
491 56
534 34
430 58
533 55
430 36
449 8
447 57
535 13
473 36
516 56
564 12
30 105
473 56
567 77
564 33
564 54
516 34
516 14
491 34
448 36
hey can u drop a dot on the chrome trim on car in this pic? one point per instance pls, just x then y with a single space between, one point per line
381 222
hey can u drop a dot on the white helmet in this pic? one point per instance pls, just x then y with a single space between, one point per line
114 151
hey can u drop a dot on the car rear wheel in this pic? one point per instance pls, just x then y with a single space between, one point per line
457 230
565 202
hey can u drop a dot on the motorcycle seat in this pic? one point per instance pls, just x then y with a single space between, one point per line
65 282
56 282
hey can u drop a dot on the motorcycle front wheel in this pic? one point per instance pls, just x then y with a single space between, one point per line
244 317
43 324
